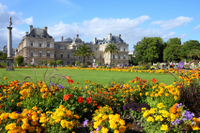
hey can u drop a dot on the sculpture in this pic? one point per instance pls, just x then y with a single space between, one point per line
10 21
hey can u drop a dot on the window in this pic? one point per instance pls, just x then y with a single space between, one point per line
40 53
31 53
118 56
124 49
48 45
113 56
124 56
40 44
54 55
68 55
96 49
100 56
58 47
31 44
48 53
119 48
61 55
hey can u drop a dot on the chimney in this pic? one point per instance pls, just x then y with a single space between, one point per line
45 28
61 38
109 36
26 33
30 28
119 35
95 40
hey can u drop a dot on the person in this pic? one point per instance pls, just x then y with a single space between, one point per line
171 64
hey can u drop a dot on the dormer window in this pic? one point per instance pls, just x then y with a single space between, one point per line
40 44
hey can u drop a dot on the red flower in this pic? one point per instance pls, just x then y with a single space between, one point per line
89 100
67 96
80 99
154 80
70 81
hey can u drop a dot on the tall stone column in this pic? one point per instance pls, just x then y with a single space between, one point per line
9 59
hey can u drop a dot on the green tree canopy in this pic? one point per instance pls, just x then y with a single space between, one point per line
172 50
194 53
19 60
150 49
188 46
112 49
59 62
83 51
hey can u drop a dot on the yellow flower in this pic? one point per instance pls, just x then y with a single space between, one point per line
150 119
166 94
195 127
160 105
35 108
122 129
164 127
129 126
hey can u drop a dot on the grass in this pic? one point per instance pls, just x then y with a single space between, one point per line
102 77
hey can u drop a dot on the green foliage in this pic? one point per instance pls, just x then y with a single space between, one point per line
173 50
194 54
188 46
51 63
150 49
59 62
19 59
99 63
112 49
3 56
77 63
84 51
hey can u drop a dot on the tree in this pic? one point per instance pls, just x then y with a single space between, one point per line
19 60
59 62
172 50
83 51
194 53
188 46
112 49
3 56
150 49
77 63
51 63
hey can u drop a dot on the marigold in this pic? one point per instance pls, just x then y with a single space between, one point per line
154 80
5 78
89 100
164 127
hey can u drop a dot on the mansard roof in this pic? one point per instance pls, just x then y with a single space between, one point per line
38 32
77 39
114 39
69 40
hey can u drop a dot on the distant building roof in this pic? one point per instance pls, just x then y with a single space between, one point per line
114 39
38 32
69 40
77 39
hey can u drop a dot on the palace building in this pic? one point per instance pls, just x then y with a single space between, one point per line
37 45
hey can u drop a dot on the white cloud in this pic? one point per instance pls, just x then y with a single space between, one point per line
100 28
169 24
183 35
2 8
16 20
197 27
29 21
168 35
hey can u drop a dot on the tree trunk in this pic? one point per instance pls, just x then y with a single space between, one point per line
111 59
83 59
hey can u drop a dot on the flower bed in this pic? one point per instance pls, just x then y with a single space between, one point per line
40 107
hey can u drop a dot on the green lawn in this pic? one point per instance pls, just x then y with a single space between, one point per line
102 77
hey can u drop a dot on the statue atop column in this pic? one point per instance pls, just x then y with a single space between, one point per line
9 59
10 21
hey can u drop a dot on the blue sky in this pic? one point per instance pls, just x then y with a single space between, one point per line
133 19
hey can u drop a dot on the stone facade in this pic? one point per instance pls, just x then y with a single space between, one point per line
39 45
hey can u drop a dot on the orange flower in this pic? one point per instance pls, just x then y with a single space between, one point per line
70 81
5 78
66 97
154 80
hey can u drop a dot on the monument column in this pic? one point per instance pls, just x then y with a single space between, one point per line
9 58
